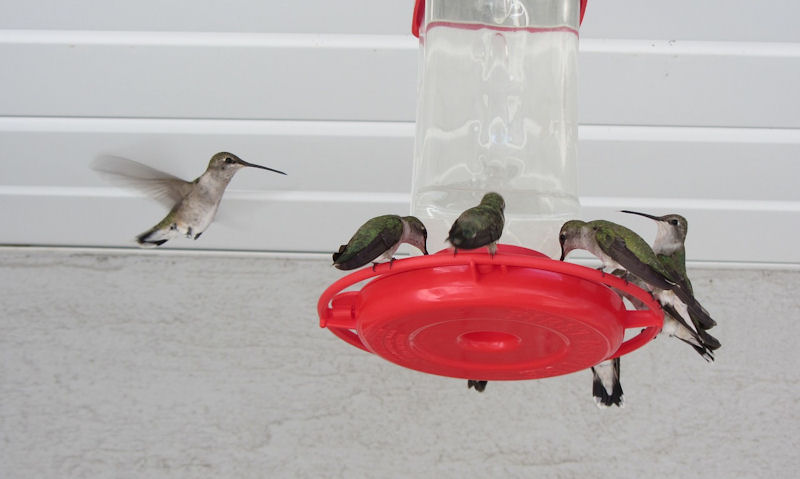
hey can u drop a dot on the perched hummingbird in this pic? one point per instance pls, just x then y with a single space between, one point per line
669 247
478 226
606 388
481 225
618 247
479 386
674 325
380 237
193 204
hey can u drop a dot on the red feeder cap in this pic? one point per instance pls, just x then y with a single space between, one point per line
518 315
419 15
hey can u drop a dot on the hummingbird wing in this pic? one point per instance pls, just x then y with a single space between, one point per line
675 265
618 248
372 239
163 187
476 227
636 256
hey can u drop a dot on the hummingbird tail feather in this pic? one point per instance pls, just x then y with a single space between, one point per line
708 340
675 326
339 253
698 313
702 350
701 316
609 392
479 386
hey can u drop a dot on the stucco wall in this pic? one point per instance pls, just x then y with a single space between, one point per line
201 365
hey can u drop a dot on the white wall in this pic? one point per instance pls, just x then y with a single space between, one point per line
326 92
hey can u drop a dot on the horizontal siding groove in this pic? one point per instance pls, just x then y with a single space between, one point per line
373 41
207 126
688 48
394 129
689 134
688 204
293 196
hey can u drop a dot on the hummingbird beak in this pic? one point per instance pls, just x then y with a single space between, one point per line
656 218
253 165
563 254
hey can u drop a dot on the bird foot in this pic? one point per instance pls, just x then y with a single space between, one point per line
602 271
391 262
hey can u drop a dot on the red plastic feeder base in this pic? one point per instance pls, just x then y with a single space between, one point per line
517 315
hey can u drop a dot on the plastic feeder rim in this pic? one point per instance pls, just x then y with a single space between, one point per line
517 315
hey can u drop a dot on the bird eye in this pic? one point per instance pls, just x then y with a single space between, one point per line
673 222
229 160
562 237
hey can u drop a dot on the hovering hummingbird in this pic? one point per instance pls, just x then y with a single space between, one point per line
193 204
670 248
606 388
481 225
380 237
479 386
618 247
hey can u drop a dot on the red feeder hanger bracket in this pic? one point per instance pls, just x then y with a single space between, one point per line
517 315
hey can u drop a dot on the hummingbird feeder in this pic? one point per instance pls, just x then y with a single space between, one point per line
517 314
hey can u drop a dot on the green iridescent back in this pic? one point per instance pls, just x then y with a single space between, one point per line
677 262
371 240
607 232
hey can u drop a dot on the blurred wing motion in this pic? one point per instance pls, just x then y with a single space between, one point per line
163 187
